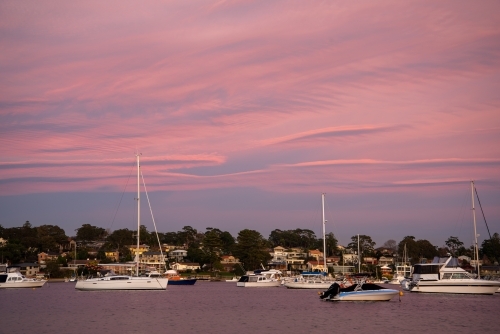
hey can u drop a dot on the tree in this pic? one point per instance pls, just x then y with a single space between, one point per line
391 245
50 237
453 244
491 248
251 249
331 244
88 233
212 245
366 245
412 250
120 238
426 249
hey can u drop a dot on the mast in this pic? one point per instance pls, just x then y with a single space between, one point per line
138 215
324 238
476 251
359 258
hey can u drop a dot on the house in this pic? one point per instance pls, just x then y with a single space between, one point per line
44 257
385 260
278 254
316 266
113 255
228 262
185 266
178 254
316 254
350 258
153 259
134 251
370 260
29 269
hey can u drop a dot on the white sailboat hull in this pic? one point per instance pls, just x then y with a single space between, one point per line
124 283
308 285
258 284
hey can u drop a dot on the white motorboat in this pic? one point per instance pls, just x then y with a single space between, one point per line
403 270
260 279
13 278
358 292
445 276
152 281
309 280
234 279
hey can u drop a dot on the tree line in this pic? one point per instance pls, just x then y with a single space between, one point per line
206 247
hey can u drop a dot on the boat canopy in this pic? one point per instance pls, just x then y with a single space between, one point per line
313 273
442 260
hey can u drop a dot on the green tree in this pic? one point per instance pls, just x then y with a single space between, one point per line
366 245
412 249
120 238
89 233
212 245
331 244
454 244
251 249
491 248
426 249
53 268
50 237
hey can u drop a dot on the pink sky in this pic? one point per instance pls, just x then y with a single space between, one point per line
246 111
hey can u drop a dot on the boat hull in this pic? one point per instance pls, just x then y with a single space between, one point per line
24 284
258 284
132 283
377 295
188 281
308 285
477 288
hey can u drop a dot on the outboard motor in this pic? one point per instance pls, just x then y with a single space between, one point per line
332 291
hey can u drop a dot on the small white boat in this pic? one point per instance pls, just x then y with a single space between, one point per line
445 276
309 280
234 279
260 279
13 278
358 292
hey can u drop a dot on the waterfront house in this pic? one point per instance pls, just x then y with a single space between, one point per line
178 254
28 269
185 266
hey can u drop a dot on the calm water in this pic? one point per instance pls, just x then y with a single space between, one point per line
220 307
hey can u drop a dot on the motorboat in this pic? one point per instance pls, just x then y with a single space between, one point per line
309 280
12 278
175 279
234 279
403 270
111 281
444 275
260 279
359 291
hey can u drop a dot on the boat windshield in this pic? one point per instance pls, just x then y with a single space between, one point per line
425 269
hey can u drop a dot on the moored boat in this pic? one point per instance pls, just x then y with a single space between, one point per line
358 292
445 276
175 279
260 279
12 278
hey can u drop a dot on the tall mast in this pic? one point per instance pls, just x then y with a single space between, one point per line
476 251
359 258
324 238
138 214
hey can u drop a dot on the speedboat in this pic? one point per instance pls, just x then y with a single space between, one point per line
358 292
13 278
445 276
260 279
309 280
175 279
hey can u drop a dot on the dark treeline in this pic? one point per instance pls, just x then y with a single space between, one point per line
22 244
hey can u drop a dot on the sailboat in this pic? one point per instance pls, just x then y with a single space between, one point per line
313 280
403 270
152 281
445 276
